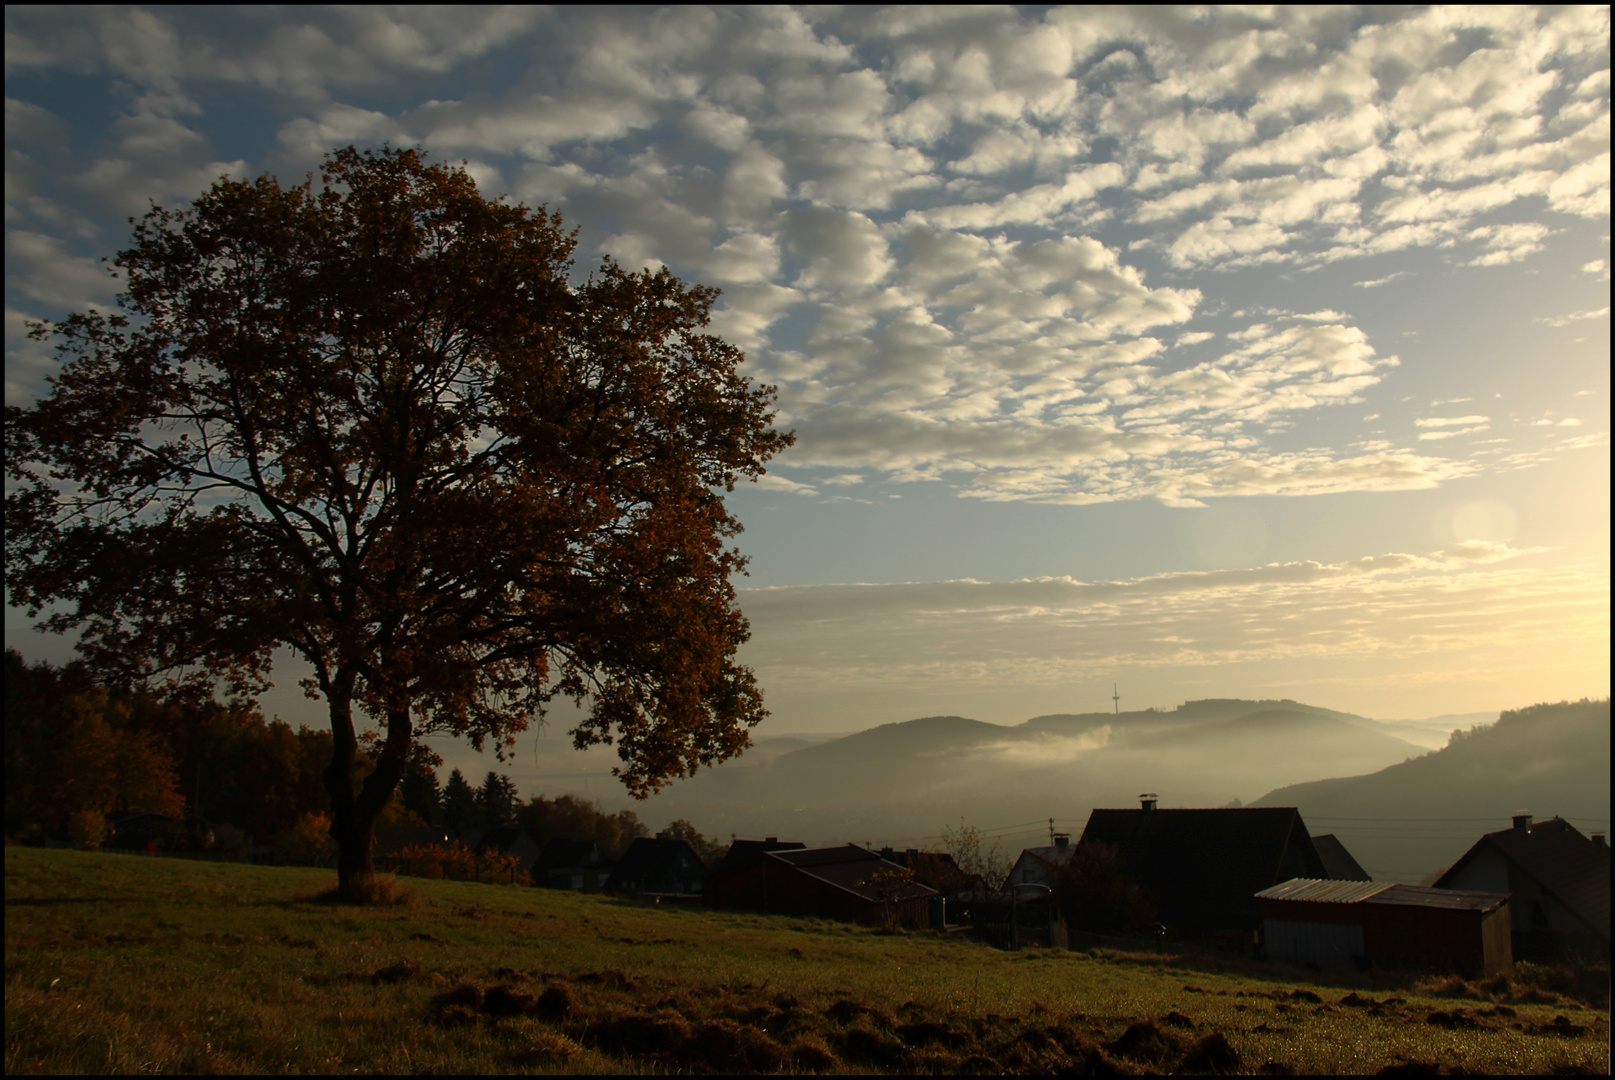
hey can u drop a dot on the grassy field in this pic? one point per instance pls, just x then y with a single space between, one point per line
129 964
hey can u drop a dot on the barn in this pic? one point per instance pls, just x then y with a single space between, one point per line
849 883
1377 924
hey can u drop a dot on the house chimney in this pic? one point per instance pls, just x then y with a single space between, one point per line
886 853
913 853
771 841
1599 839
1062 839
1522 821
1148 800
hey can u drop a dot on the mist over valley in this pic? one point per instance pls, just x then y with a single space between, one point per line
901 783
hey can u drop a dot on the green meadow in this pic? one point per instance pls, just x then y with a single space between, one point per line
131 964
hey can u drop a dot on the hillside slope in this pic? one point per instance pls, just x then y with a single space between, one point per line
183 967
904 781
1414 818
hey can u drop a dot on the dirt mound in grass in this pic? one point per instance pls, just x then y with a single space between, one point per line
1212 1055
637 1034
1144 1041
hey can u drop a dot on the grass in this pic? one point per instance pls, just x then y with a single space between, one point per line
128 964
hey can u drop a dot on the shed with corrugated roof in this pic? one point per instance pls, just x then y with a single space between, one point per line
1379 924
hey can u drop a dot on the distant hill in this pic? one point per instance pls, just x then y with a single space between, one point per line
927 735
1411 819
1432 732
909 779
1206 711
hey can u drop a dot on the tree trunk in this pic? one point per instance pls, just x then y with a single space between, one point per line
355 840
353 815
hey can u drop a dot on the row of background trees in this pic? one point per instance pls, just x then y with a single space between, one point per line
76 751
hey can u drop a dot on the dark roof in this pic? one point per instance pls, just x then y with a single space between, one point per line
742 850
1419 896
138 820
560 852
1053 854
1337 860
847 868
649 858
825 856
1205 867
1312 890
1567 865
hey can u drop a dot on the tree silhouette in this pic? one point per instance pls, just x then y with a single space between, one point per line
421 792
496 801
459 803
376 423
709 851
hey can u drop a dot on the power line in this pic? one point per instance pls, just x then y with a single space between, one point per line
1331 818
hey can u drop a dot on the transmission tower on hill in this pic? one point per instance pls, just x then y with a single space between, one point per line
1115 695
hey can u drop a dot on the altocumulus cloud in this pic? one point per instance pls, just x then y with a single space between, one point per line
957 239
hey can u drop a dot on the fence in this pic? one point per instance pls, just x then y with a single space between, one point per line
1008 936
451 871
249 857
413 867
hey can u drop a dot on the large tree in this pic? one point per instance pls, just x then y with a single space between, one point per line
377 420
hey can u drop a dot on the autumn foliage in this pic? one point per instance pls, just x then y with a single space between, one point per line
457 862
377 422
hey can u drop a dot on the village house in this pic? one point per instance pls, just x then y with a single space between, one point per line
1337 860
658 866
742 850
1363 924
1041 865
938 869
1203 868
579 865
1558 881
849 883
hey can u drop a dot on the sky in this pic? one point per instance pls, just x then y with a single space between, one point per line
1256 353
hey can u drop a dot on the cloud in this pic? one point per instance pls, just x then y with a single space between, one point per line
1576 316
47 272
932 229
1450 421
776 482
1377 282
1436 610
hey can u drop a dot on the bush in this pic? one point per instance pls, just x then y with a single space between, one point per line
459 863
87 829
306 843
228 838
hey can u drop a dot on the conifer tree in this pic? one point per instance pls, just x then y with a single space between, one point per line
496 801
459 803
422 793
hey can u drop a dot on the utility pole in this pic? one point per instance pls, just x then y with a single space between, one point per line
1115 695
1051 832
